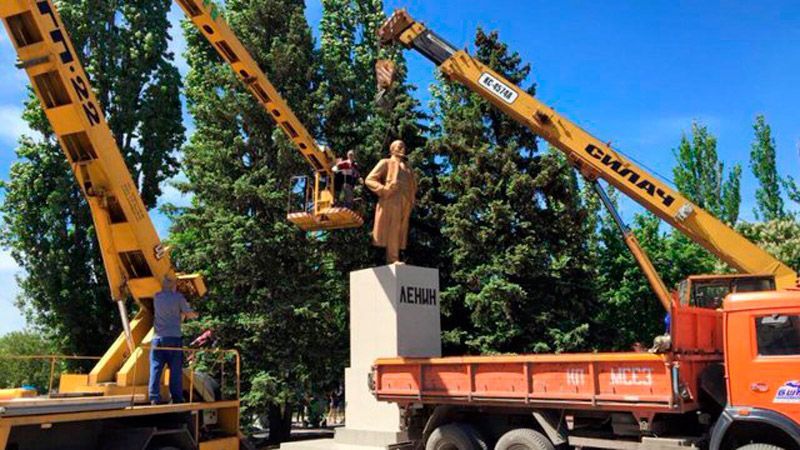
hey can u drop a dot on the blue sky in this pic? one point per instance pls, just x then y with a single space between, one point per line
632 72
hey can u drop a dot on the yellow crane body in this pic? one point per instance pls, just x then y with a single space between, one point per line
326 214
594 158
135 259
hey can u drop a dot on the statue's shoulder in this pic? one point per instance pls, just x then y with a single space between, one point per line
383 162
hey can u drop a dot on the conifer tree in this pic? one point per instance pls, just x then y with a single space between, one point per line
513 224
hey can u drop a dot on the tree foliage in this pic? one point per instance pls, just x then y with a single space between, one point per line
268 282
16 373
512 222
769 203
779 237
700 175
46 221
791 186
630 311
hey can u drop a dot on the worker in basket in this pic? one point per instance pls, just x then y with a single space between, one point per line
347 176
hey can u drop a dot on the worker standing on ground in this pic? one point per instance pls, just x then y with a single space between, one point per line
393 181
170 308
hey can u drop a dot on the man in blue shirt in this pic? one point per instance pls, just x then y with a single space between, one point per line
170 308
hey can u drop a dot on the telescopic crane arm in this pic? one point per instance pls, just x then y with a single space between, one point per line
135 260
205 15
594 158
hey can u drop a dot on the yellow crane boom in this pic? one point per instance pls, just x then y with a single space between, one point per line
134 258
326 215
594 158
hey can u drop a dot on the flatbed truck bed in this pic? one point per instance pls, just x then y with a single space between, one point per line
645 382
726 382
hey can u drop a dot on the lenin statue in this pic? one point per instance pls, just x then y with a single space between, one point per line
392 180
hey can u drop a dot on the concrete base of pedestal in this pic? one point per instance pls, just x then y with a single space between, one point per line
394 312
369 438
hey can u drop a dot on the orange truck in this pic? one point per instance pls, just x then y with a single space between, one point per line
725 375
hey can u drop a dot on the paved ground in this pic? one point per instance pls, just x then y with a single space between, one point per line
298 434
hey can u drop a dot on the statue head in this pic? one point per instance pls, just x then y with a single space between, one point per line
398 148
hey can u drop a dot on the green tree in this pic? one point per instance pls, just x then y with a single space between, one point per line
630 311
269 295
700 175
769 203
15 373
46 221
513 222
347 55
792 189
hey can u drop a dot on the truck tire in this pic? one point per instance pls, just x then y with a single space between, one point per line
760 447
524 439
455 436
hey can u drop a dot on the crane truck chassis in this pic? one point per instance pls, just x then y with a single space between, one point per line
728 381
727 378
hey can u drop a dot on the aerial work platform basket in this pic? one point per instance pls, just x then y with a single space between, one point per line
312 206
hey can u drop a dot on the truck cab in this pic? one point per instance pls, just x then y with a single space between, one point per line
762 360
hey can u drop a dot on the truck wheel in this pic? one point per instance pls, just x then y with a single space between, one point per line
524 439
760 447
456 436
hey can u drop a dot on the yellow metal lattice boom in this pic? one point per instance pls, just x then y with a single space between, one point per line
591 156
133 255
326 215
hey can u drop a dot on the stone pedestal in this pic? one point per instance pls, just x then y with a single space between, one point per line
394 311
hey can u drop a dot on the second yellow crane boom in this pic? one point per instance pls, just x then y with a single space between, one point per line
326 214
591 156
